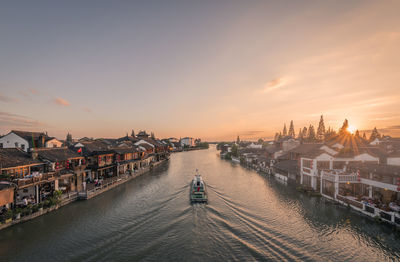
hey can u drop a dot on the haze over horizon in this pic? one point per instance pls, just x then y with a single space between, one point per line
209 69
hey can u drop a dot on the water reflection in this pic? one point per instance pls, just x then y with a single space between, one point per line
248 217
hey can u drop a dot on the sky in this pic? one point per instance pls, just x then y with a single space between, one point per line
207 69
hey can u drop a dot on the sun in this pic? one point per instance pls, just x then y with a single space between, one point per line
351 129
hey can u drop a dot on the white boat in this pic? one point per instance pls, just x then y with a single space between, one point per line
198 190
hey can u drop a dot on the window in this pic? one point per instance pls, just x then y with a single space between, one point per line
23 147
16 144
1 145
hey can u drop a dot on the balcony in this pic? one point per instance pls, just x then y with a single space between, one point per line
35 179
340 177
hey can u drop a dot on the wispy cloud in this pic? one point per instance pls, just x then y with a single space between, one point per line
60 101
275 84
250 133
9 121
7 99
87 109
34 91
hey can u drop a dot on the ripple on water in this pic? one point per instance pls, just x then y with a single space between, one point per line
248 218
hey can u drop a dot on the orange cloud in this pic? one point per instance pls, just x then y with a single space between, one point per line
10 121
275 84
61 102
7 99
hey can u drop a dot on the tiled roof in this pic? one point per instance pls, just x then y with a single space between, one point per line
376 168
91 147
272 149
14 157
287 165
306 148
57 154
31 137
125 150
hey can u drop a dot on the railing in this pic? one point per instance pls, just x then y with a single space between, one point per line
350 201
348 178
369 209
22 182
307 170
339 178
391 217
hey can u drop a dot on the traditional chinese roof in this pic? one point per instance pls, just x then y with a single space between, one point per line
57 154
290 166
272 149
125 150
95 147
30 136
142 134
306 149
14 157
376 168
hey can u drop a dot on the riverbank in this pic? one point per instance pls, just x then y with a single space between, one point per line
151 219
88 194
363 209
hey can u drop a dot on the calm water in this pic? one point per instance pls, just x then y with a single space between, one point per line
249 217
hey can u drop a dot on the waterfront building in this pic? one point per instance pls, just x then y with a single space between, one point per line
187 142
100 160
322 158
26 140
26 174
127 159
67 166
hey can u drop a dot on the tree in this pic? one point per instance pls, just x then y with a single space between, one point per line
291 130
329 133
311 134
69 138
321 129
284 130
304 134
260 141
133 133
375 134
234 150
300 135
343 129
238 140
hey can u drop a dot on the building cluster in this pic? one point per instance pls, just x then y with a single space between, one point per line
33 165
348 168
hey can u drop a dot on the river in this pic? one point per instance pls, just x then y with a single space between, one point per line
249 217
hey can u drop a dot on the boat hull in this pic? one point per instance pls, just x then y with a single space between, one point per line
198 197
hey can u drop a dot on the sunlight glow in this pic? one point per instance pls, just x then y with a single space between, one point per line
352 129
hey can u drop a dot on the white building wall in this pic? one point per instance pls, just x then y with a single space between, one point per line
11 140
187 141
395 161
53 143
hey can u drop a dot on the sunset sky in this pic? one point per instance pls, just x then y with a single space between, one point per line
208 69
